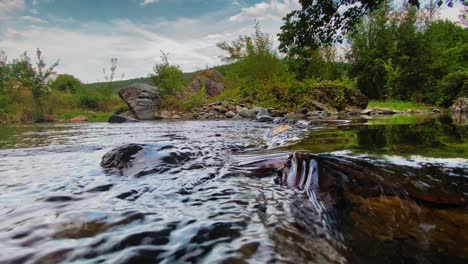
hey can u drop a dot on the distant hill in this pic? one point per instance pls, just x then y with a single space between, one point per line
117 85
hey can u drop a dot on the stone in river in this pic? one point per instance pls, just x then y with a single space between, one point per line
116 119
142 99
79 118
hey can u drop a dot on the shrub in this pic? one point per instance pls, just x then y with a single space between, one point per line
168 78
66 83
452 86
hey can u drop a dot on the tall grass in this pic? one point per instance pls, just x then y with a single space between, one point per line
398 105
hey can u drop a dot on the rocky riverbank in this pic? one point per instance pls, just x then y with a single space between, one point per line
145 104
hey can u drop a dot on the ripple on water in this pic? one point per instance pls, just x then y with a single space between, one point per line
192 193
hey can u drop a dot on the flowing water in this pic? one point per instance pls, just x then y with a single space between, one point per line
210 192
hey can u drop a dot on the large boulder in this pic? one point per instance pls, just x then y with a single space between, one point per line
142 99
460 106
211 80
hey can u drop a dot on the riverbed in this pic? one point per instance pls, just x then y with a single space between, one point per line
58 205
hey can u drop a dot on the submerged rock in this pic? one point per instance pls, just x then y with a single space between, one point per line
281 129
303 123
120 157
388 202
369 178
115 119
142 99
263 115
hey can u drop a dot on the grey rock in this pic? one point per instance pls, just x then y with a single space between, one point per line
256 110
279 120
303 123
220 109
237 117
276 113
246 113
263 116
120 157
142 99
230 114
117 119
367 112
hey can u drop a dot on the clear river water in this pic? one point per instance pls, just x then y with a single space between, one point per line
355 191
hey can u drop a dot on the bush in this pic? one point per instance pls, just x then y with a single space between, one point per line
451 87
66 83
121 109
90 101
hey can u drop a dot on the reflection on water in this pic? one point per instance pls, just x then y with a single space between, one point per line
201 192
438 137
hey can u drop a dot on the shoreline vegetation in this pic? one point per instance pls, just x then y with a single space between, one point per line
399 58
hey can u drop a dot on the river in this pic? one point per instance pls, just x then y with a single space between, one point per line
401 196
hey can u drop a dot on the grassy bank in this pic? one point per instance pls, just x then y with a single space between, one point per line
399 105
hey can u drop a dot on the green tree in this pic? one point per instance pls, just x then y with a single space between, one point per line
372 42
168 78
324 22
37 78
254 56
66 83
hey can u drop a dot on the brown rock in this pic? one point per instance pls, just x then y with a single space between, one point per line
79 118
211 80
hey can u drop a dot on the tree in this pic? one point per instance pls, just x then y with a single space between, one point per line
322 22
66 83
168 78
254 55
37 78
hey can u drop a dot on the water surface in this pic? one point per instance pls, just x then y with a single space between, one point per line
57 205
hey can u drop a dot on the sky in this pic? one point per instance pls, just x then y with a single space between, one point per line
85 34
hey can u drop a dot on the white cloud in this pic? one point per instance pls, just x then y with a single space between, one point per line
266 10
32 19
146 2
8 8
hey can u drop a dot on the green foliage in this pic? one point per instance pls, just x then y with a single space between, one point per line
398 105
168 78
92 116
66 83
326 22
395 135
28 93
254 57
121 109
404 55
450 87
